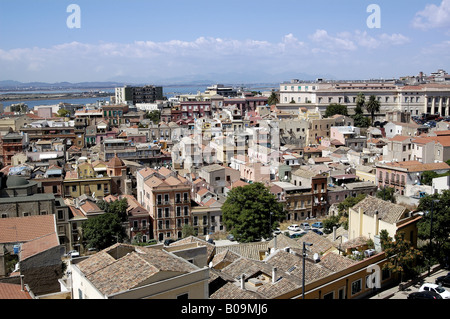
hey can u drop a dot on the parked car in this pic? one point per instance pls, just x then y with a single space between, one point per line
230 237
318 232
167 242
73 253
305 226
294 227
297 235
277 231
445 294
424 295
443 280
317 225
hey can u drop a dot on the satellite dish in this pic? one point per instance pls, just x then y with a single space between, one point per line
316 257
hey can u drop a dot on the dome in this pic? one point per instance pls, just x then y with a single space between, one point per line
115 162
16 181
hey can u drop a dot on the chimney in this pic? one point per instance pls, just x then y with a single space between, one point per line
275 242
375 223
274 274
334 233
243 282
21 282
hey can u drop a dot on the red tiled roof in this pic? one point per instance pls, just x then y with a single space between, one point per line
13 291
22 229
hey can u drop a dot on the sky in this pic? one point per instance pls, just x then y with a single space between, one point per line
245 41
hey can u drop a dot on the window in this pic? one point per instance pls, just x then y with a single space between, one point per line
178 211
74 188
167 212
186 210
144 224
329 295
356 286
195 221
167 224
159 212
159 199
60 214
99 187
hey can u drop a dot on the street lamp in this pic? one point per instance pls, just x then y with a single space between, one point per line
304 258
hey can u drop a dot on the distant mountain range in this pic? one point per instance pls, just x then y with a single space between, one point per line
238 79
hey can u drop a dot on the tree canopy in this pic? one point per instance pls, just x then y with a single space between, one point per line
273 99
103 231
154 116
436 214
387 194
251 212
335 108
117 207
373 106
402 256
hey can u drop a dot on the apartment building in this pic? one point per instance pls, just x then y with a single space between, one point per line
167 197
138 94
402 175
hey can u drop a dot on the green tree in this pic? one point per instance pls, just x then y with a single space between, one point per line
187 231
251 212
373 106
117 207
103 231
63 112
402 256
349 202
330 222
154 116
335 108
360 120
273 99
387 194
360 103
436 210
427 177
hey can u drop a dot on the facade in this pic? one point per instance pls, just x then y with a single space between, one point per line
417 99
11 143
128 272
399 175
138 94
167 198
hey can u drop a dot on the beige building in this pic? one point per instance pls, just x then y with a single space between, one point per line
371 215
128 272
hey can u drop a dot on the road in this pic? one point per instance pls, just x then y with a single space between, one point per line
415 287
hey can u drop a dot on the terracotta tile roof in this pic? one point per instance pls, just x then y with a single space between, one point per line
165 171
234 291
248 250
146 172
38 245
131 269
13 291
172 181
416 166
224 258
336 262
210 248
155 182
387 211
28 228
399 138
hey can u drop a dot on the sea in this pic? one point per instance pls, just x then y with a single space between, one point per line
168 91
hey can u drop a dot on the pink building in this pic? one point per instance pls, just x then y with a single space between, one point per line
255 172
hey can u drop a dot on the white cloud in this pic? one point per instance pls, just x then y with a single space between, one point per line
76 61
433 16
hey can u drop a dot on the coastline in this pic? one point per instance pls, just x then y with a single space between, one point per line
49 96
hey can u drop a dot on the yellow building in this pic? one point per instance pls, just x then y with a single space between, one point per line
85 181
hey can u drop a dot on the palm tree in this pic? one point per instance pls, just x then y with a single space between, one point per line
273 99
373 106
360 103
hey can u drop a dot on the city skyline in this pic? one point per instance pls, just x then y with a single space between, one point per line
241 42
